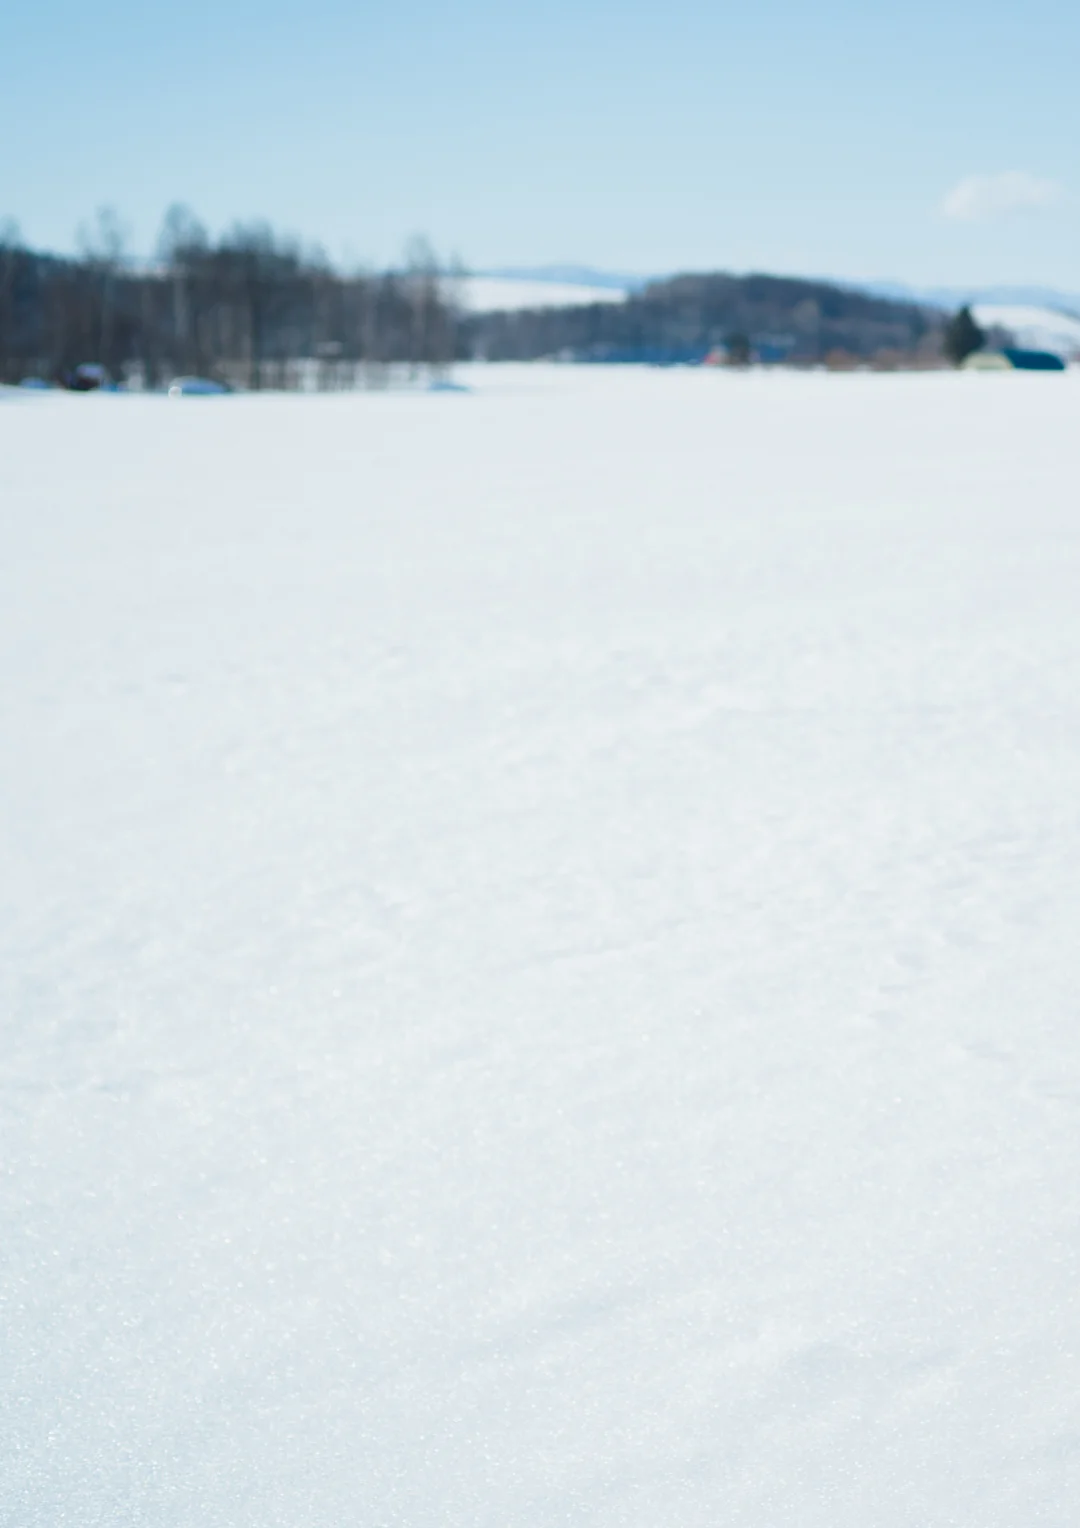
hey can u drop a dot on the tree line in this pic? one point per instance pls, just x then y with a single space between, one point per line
251 308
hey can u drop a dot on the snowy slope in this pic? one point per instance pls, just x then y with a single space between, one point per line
538 955
485 294
1033 327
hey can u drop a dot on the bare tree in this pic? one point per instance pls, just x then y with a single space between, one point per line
10 249
103 243
182 247
252 308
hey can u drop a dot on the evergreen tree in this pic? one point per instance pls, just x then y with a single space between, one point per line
962 336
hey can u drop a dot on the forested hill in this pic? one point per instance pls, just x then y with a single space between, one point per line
685 317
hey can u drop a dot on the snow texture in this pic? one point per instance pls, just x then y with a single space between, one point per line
539 955
487 294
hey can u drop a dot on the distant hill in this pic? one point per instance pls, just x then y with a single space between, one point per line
514 286
682 318
996 296
1033 328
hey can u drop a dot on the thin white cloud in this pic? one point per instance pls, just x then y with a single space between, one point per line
979 197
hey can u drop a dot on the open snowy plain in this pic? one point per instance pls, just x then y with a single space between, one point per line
539 947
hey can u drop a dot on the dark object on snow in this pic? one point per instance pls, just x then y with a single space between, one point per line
88 377
962 337
1033 360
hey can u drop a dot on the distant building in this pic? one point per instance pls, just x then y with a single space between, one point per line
1012 359
985 360
1033 360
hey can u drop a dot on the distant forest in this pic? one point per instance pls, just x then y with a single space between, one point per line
254 309
685 318
251 309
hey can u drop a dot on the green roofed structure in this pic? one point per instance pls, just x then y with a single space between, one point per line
1012 359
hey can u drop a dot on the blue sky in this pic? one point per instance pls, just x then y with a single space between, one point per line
934 143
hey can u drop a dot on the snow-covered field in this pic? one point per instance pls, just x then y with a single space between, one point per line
538 955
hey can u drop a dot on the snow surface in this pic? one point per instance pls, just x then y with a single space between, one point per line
489 294
1037 328
539 955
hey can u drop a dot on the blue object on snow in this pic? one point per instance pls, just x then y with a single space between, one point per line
443 386
196 387
1033 360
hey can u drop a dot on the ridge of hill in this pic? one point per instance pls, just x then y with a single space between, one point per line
516 286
